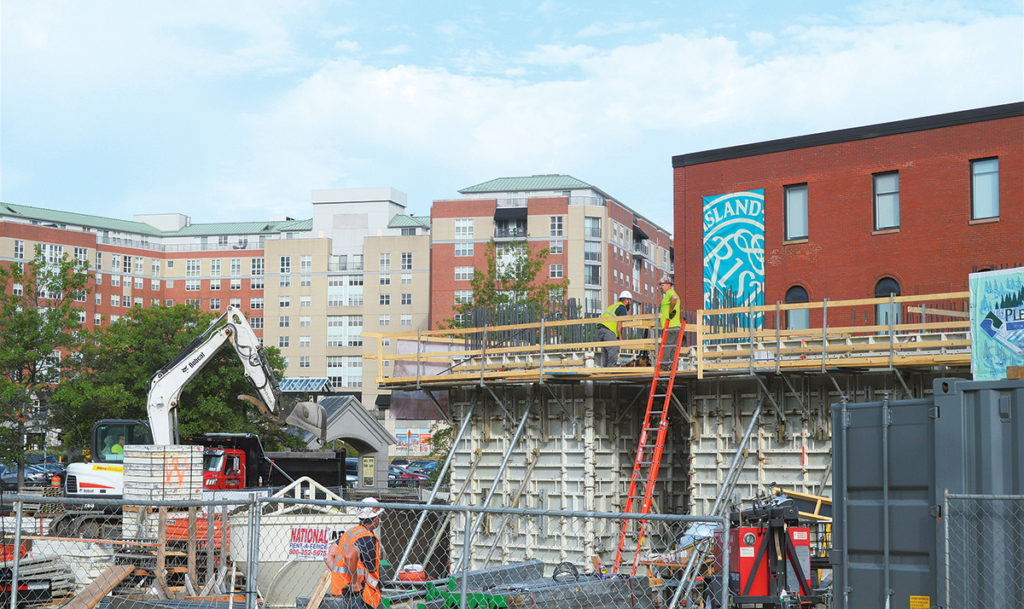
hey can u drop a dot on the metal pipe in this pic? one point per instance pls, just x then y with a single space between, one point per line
17 553
945 527
467 545
437 484
504 464
844 423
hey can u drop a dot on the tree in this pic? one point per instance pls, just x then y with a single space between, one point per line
119 360
39 323
512 279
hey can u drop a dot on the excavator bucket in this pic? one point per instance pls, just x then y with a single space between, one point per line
309 416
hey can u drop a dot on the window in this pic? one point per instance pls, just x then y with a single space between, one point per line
285 281
305 321
98 298
463 296
303 361
884 312
385 299
255 303
385 278
256 283
115 300
463 273
126 301
406 298
592 227
384 320
236 267
191 268
304 342
305 280
796 212
99 279
215 284
406 261
154 268
284 321
557 226
592 274
97 319
115 262
306 264
19 252
283 341
286 265
406 320
236 284
385 262
464 228
115 280
406 278
797 319
305 301
555 247
284 301
408 232
984 189
256 264
235 302
126 266
592 251
215 304
464 249
192 285
154 284
139 283
215 267
592 302
256 323
556 271
887 200
81 254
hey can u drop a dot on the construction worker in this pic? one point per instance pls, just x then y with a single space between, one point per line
355 560
610 329
670 313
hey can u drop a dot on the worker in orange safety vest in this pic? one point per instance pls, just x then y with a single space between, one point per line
355 560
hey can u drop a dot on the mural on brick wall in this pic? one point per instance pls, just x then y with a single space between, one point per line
734 250
997 322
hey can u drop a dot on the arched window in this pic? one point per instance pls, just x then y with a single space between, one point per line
884 313
797 319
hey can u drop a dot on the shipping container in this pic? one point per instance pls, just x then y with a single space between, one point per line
894 462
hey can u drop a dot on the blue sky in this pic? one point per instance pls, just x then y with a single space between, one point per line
237 110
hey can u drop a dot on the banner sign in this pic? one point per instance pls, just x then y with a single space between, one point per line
734 250
997 322
309 542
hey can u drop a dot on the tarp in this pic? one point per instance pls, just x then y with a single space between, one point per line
997 322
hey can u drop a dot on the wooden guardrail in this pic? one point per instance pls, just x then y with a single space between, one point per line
914 330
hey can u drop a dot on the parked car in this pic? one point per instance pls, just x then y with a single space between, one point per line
423 466
34 476
351 471
400 461
399 476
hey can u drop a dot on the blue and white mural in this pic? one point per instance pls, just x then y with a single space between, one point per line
997 322
734 250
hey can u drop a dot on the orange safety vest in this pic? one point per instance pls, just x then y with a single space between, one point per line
341 578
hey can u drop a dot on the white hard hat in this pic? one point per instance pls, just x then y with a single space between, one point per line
625 294
369 511
665 279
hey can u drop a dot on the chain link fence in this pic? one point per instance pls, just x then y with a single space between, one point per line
260 551
984 551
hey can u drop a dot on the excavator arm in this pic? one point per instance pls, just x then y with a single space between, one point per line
166 385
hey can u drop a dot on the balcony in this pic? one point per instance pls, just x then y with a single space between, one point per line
641 249
509 231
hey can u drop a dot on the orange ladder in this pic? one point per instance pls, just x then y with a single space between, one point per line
648 453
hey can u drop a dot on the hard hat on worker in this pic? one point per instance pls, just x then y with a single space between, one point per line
625 294
665 279
369 509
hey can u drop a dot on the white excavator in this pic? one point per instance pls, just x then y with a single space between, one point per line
104 476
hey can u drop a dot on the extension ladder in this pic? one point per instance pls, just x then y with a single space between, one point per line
651 445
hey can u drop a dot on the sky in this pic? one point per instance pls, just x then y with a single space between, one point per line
236 110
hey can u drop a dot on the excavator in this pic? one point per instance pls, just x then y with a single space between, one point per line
104 476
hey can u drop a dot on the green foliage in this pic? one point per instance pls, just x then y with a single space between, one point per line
441 437
513 277
120 360
38 329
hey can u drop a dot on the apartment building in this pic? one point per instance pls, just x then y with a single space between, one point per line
598 243
309 287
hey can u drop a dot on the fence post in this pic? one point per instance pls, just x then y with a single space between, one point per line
467 544
945 528
252 556
17 553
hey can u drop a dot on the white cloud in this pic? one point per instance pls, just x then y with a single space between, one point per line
349 46
620 27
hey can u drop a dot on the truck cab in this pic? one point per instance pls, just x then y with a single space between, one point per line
103 475
223 469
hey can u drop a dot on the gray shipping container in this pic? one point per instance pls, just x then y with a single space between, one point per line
893 463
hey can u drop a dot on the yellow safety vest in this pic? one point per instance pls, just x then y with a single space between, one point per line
341 578
666 305
612 324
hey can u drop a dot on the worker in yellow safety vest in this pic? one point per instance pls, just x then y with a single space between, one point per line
670 313
355 560
610 329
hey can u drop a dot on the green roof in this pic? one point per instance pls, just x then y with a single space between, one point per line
551 181
40 214
404 221
67 217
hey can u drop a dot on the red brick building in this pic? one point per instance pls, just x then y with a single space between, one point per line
908 207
